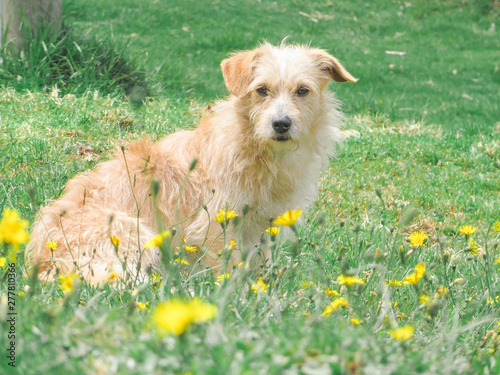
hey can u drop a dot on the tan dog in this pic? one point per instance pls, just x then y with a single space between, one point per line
263 147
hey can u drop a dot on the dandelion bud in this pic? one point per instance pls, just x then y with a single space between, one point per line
155 187
357 228
321 219
378 192
446 257
245 209
192 164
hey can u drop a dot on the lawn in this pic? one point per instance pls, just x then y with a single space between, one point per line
422 155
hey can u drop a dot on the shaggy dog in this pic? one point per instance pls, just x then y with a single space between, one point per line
260 152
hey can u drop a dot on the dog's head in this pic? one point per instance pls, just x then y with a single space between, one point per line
282 88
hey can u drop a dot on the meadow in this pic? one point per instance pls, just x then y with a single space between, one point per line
394 270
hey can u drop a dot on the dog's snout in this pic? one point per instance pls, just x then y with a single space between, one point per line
282 125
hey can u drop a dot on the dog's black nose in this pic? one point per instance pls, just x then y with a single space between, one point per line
282 125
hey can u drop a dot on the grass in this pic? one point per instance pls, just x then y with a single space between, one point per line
430 167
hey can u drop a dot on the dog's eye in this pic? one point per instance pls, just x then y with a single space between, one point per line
302 91
262 90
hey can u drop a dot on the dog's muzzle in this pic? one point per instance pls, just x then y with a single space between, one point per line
281 127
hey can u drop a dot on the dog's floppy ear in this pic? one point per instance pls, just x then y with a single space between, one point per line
332 67
237 72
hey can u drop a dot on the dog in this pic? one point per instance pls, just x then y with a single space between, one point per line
260 151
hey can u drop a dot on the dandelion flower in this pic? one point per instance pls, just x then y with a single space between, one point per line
336 304
155 280
467 230
13 229
260 286
157 240
176 315
113 277
273 231
288 218
142 306
224 216
182 261
232 244
52 245
68 282
356 322
474 247
423 299
498 260
393 282
3 262
223 277
402 334
331 293
115 241
496 227
349 280
415 277
417 239
191 249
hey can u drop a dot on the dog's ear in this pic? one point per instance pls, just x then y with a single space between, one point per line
237 72
332 67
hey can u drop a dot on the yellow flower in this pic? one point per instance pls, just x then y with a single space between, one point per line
115 241
415 277
260 286
52 245
191 248
349 280
393 282
3 262
273 231
157 240
155 280
21 293
202 312
307 284
498 260
418 238
356 322
232 244
336 304
493 301
331 293
423 299
176 315
474 248
288 218
182 261
113 277
68 282
223 277
13 229
467 229
402 334
496 227
142 306
224 216
441 291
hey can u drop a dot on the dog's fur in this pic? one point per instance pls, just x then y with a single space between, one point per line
241 160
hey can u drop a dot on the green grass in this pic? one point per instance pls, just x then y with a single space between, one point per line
413 145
